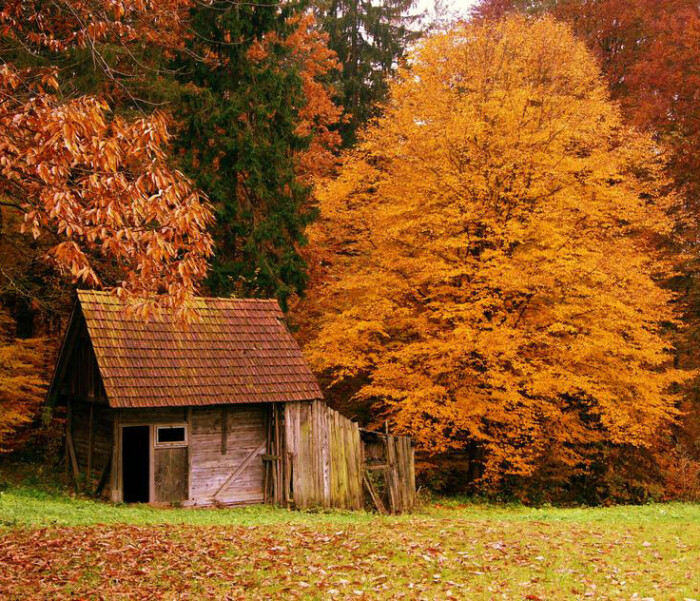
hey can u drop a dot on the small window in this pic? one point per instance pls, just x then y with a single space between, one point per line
171 435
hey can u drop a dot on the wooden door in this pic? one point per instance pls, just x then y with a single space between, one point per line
170 475
227 446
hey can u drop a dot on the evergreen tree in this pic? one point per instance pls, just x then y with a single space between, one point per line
370 38
241 140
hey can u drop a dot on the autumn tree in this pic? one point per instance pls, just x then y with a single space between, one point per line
106 105
649 53
22 363
98 185
240 87
256 128
491 267
88 192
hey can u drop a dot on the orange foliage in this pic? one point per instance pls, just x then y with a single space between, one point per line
649 52
58 26
490 258
309 52
22 388
98 185
102 187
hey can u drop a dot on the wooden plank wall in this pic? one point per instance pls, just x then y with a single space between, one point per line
170 469
83 380
214 462
160 416
325 455
91 464
277 466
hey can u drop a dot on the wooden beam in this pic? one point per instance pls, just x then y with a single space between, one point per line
66 459
239 470
151 464
376 499
105 475
276 484
288 479
71 448
268 447
91 444
64 355
115 492
188 418
224 430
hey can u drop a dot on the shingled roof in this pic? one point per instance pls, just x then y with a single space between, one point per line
238 351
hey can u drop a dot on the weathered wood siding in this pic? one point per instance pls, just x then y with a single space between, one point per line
390 465
325 456
226 454
83 381
170 479
400 474
91 435
300 453
157 416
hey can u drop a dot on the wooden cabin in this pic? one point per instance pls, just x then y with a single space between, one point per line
223 410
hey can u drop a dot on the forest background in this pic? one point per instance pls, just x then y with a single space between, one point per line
226 147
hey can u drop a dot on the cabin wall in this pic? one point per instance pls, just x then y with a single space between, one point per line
227 445
390 471
220 462
152 416
301 453
168 466
83 381
89 433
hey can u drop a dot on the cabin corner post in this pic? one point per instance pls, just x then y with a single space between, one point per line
151 463
116 489
91 448
70 447
190 488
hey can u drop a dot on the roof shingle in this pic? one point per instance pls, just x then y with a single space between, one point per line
238 351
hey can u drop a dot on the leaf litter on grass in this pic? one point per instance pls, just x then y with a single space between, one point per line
431 557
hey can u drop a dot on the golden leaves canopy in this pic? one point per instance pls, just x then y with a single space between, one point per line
488 257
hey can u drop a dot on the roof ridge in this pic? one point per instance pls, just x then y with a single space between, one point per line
204 298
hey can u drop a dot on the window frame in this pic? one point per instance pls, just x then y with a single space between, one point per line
169 445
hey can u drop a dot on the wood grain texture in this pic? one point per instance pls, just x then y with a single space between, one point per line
90 431
390 467
330 460
245 434
170 466
325 457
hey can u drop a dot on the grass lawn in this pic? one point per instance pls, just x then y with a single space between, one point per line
54 546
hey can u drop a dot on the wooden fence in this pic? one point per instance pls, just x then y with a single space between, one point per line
326 456
325 461
390 477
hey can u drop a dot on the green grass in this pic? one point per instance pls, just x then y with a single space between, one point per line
23 505
57 546
26 506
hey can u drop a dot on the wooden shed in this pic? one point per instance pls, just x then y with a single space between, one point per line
223 410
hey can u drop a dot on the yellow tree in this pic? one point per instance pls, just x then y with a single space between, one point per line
489 263
21 382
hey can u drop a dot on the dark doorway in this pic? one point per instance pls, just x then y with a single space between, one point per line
136 464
